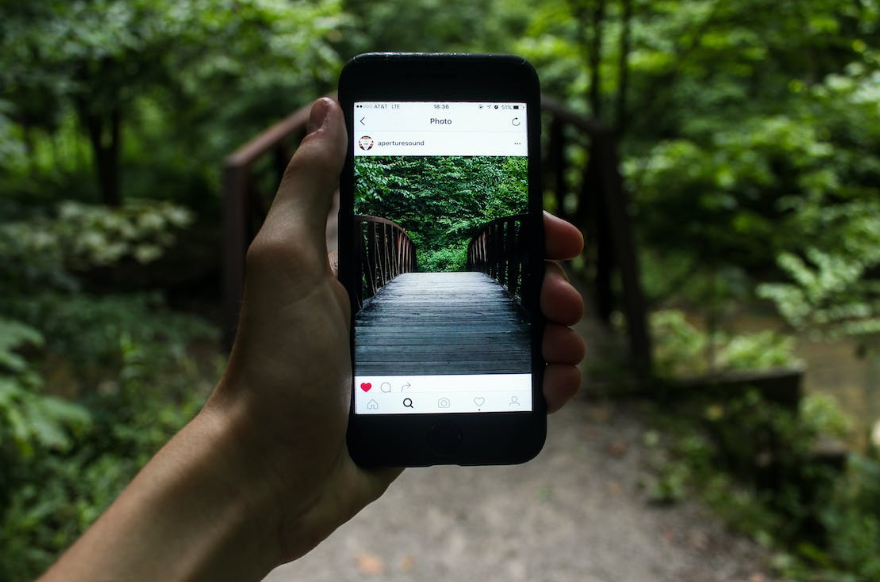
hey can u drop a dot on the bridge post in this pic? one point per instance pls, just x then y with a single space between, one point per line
504 263
359 260
381 257
556 164
370 272
516 239
592 213
385 251
615 204
499 249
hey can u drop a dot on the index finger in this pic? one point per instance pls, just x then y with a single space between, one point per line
561 239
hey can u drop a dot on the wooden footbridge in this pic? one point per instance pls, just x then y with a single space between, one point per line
595 202
441 323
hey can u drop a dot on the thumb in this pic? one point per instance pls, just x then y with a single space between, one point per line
305 196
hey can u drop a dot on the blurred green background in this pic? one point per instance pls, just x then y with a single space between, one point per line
750 139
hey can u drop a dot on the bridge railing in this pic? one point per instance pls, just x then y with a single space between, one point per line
384 251
499 250
245 204
597 203
591 196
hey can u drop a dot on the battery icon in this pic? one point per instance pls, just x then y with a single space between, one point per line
516 106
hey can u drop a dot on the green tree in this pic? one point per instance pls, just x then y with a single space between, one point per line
99 58
441 201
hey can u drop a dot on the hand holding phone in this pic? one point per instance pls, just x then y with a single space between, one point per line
441 251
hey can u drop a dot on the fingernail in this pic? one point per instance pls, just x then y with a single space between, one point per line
319 114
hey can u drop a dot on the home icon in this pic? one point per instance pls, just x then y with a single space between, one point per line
372 405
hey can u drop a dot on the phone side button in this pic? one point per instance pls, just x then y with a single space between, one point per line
444 439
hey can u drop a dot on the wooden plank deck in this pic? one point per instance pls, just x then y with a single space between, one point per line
442 323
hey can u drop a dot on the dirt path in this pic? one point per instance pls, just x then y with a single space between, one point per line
575 514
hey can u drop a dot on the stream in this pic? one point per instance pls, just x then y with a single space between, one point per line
834 367
853 379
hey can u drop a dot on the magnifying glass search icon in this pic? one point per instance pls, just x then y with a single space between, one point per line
407 402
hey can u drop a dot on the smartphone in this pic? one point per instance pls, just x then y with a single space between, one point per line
441 251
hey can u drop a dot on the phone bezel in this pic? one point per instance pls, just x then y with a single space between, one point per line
449 438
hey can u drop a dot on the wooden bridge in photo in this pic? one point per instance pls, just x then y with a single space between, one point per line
442 323
468 322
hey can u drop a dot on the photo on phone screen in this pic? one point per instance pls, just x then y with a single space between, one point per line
441 256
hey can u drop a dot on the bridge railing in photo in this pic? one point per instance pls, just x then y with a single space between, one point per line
499 250
384 251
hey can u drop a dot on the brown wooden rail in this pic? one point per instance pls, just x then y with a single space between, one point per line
592 197
499 250
244 208
384 251
601 209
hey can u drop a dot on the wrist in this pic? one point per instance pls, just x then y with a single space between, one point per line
235 467
191 514
214 508
292 466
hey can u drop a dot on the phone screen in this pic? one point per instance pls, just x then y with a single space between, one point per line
441 254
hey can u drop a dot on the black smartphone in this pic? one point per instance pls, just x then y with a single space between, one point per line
441 251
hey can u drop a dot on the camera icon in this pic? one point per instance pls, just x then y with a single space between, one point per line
443 403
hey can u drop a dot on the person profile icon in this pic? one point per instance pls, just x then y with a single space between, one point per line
366 143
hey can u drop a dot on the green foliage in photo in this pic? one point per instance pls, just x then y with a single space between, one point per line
441 201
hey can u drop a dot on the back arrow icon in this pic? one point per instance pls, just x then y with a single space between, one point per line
362 120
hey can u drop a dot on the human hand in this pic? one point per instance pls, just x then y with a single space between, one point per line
286 390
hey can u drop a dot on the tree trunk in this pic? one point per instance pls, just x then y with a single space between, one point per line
105 138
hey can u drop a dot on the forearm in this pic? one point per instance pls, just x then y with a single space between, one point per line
186 516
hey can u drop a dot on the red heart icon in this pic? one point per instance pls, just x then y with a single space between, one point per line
365 386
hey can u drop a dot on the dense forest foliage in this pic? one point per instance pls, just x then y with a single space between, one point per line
442 202
750 134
